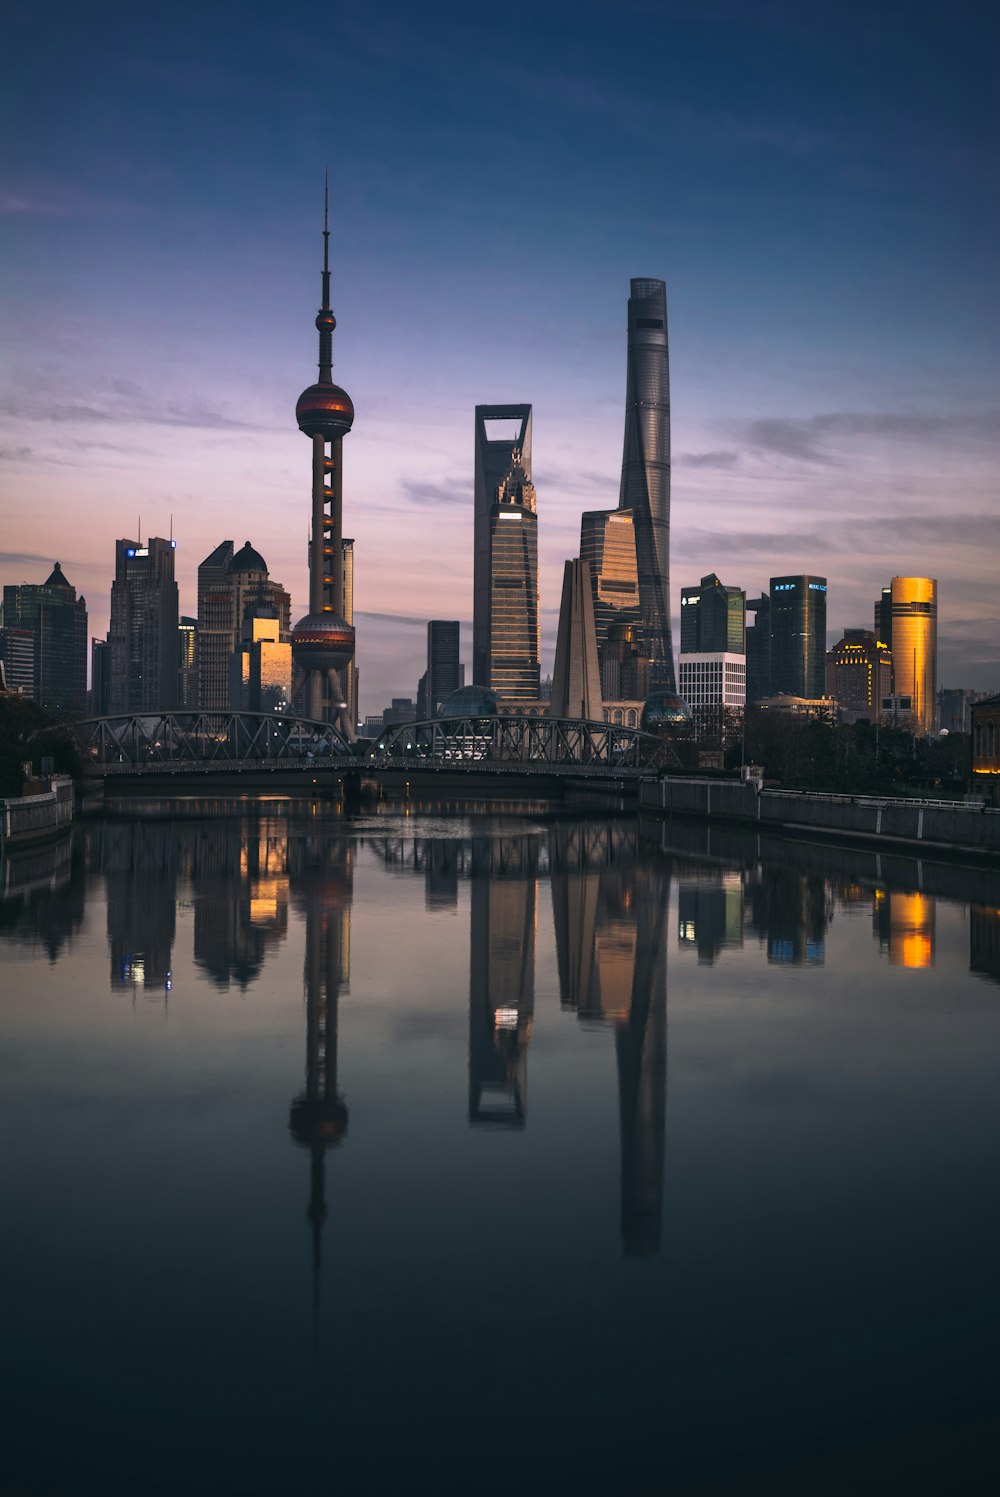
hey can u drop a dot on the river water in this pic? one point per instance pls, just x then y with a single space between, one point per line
490 1153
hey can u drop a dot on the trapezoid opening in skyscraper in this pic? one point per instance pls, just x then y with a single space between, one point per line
645 481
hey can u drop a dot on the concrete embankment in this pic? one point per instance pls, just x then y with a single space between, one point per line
943 824
28 818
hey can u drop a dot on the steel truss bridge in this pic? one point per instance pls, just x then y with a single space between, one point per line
177 742
242 742
523 745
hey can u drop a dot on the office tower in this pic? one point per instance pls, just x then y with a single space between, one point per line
17 655
231 586
798 636
883 617
444 672
758 636
576 677
505 560
713 618
187 667
645 483
627 669
323 641
260 671
215 628
58 620
143 635
607 541
914 646
859 673
713 679
100 677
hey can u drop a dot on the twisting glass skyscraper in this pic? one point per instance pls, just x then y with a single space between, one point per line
645 486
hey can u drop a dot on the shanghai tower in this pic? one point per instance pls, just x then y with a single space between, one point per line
645 486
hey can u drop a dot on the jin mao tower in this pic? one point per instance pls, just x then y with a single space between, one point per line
645 483
323 641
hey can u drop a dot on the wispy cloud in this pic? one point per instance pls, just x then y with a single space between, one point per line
61 200
444 491
721 459
807 439
119 405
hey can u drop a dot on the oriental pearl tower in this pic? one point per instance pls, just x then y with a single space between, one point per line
323 641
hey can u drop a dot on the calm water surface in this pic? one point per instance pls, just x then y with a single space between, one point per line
486 1154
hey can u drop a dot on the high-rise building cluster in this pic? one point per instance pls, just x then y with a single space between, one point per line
614 647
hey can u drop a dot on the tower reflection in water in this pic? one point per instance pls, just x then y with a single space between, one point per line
610 899
322 883
610 896
503 913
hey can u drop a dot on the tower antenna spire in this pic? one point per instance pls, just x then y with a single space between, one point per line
326 240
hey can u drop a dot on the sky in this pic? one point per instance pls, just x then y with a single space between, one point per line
816 183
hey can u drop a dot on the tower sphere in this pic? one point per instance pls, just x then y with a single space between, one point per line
325 320
323 642
326 411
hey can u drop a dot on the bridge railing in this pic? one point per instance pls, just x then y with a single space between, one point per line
223 740
529 743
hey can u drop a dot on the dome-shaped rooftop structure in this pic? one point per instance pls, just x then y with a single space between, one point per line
246 559
325 410
323 642
470 701
665 712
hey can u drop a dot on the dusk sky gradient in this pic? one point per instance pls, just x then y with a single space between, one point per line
815 183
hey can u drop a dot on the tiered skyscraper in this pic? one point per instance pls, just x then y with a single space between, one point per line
645 482
505 561
323 641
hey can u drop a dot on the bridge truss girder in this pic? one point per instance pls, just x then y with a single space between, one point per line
560 745
150 741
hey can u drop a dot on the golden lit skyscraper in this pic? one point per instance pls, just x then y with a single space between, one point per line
914 645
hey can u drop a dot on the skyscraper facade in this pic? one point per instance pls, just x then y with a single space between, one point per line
231 586
607 542
505 564
576 676
713 618
645 481
57 620
859 674
143 635
444 669
758 649
914 645
798 636
187 663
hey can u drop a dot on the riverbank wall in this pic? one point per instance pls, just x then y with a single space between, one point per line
942 824
29 818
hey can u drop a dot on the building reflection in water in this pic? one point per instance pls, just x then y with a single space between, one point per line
321 871
984 940
790 911
504 903
904 925
610 905
710 914
240 889
141 862
43 893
